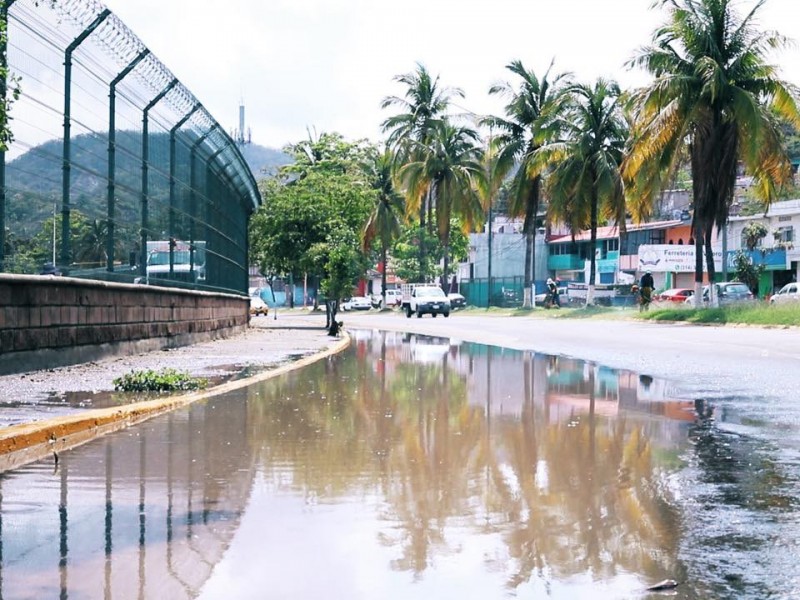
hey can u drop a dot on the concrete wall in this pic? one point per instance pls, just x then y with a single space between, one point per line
50 321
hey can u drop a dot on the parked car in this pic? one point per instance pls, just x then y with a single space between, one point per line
675 295
789 293
394 298
728 292
258 306
457 300
357 303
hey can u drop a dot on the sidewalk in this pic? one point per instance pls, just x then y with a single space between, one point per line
267 343
52 410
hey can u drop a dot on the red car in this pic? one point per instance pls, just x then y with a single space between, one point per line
675 295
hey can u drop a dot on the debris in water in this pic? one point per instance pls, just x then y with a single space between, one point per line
667 584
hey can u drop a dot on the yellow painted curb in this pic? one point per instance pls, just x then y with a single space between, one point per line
29 442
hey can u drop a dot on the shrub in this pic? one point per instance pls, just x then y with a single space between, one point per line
165 380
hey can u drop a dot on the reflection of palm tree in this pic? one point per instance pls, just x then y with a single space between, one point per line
564 499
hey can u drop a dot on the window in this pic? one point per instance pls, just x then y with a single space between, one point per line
785 235
562 249
633 239
658 236
612 245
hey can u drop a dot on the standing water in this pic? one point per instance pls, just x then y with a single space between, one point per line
413 467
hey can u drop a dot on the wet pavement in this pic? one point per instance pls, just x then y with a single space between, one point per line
420 467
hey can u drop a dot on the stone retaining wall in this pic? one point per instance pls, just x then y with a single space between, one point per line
48 321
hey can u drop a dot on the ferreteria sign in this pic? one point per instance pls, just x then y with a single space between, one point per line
668 258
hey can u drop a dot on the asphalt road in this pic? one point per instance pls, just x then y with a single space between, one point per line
713 361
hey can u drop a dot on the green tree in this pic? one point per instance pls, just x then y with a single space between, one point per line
423 107
746 271
533 118
715 92
586 184
305 221
385 221
407 256
327 152
450 167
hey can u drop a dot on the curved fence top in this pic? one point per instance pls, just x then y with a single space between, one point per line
104 129
119 44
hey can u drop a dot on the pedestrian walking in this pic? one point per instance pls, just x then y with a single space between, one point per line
646 291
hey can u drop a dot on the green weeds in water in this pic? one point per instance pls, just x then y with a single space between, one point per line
165 380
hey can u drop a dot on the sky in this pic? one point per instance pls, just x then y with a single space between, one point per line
325 65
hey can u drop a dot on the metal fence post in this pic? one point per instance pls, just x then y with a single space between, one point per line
145 159
112 154
193 193
66 164
172 152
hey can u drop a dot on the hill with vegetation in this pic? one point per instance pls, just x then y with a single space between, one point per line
34 179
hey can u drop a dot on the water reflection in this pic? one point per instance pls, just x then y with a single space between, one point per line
409 467
143 513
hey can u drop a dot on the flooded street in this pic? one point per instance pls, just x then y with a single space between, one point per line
419 467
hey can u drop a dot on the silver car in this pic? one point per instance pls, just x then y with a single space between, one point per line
789 293
728 292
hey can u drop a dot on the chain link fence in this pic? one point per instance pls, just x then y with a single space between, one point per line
116 171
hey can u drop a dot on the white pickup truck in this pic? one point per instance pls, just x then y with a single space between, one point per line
425 298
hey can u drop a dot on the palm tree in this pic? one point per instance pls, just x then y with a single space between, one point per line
450 167
384 222
586 183
715 92
422 108
532 121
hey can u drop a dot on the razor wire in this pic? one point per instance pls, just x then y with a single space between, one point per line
116 170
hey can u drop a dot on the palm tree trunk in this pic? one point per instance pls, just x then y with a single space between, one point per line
526 286
446 249
383 274
698 263
421 241
592 244
712 296
529 229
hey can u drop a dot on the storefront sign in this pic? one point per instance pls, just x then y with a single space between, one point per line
669 258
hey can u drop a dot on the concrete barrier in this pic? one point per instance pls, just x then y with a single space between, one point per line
49 321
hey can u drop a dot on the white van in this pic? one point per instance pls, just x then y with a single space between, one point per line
393 299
